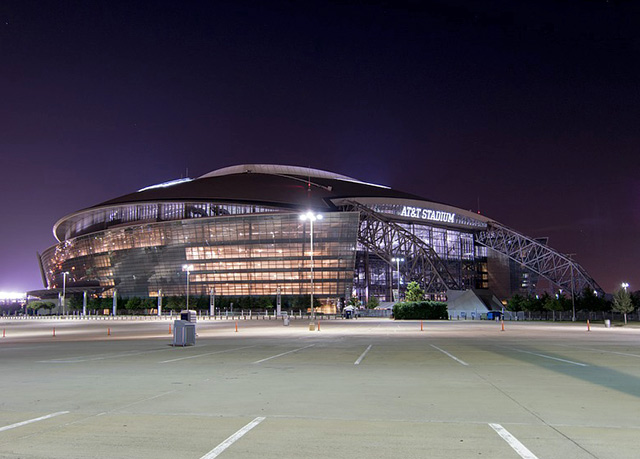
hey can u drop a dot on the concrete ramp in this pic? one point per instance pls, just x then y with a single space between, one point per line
470 304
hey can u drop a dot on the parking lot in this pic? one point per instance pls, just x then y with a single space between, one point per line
354 389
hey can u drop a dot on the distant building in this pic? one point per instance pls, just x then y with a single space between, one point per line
239 230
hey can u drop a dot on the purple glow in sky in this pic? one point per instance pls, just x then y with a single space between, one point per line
528 108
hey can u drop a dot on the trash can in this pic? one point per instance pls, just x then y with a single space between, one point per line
189 316
184 333
607 323
285 321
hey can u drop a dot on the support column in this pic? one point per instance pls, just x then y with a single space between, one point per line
114 309
84 304
278 303
159 302
367 277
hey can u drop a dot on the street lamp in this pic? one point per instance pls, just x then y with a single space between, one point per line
64 291
188 269
311 217
398 260
625 286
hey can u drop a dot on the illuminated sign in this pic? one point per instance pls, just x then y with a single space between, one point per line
427 214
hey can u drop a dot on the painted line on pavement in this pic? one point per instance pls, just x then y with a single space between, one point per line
24 423
452 356
215 452
518 447
208 353
554 358
603 350
357 362
104 357
284 353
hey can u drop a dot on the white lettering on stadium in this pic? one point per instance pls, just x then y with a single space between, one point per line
427 214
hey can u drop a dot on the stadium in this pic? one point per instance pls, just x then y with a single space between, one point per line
238 231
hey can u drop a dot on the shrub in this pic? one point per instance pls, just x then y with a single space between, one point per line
425 310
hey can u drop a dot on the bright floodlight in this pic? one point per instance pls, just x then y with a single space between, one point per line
310 216
187 267
625 285
12 295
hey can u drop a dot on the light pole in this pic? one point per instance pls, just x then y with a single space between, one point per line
64 291
625 286
312 218
398 260
573 297
188 269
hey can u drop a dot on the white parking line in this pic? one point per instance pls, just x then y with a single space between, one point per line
208 353
284 353
554 358
357 362
23 423
603 350
452 356
104 357
232 439
513 442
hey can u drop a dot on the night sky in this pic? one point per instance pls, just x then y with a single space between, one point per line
530 109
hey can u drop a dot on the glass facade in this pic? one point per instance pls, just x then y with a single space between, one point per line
246 254
104 218
375 277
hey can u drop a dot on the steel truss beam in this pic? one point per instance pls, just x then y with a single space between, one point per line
387 239
539 258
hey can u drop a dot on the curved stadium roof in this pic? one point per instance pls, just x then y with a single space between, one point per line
269 185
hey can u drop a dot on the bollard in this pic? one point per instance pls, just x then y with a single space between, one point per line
236 326
421 327
502 324
3 332
108 331
54 332
169 328
318 325
588 325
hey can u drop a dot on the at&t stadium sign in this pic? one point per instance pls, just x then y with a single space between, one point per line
427 214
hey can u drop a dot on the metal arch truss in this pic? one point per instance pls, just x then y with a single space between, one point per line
387 239
565 273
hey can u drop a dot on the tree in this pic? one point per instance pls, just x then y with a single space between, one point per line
414 292
175 303
74 302
558 302
591 301
303 302
37 305
553 304
516 303
373 303
354 301
94 304
622 303
265 302
133 304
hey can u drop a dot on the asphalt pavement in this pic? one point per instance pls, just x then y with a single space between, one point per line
366 388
